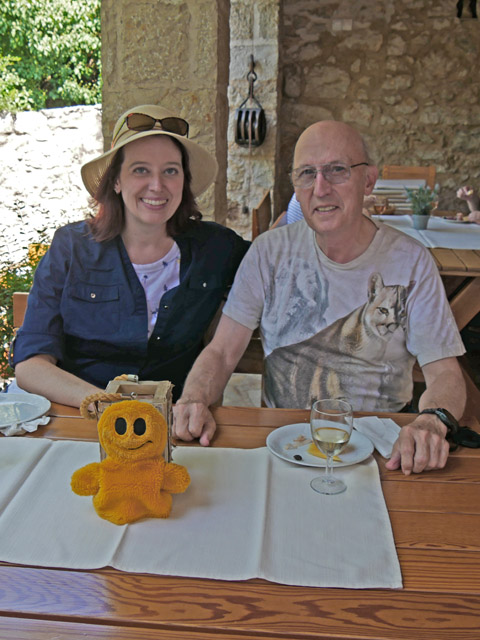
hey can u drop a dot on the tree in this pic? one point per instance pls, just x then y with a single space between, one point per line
49 53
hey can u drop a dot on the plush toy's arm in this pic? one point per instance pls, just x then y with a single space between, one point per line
86 481
176 478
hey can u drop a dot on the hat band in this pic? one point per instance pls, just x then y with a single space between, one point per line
144 122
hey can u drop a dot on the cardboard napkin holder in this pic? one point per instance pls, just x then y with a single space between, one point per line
156 393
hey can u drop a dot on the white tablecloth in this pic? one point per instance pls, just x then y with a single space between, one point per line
246 514
440 233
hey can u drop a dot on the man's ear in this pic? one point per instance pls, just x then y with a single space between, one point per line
372 175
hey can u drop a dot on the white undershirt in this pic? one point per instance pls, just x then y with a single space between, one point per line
157 278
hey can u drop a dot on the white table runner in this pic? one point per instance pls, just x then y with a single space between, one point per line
440 233
246 514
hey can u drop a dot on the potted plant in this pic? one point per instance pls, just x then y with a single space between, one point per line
423 200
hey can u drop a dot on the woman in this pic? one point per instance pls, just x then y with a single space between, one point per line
133 289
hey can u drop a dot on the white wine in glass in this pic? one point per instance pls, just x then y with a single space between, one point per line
331 423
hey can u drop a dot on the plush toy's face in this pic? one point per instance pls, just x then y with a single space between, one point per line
132 430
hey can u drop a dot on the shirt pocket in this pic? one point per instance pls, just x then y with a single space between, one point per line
91 310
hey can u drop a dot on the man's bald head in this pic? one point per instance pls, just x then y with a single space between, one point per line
337 138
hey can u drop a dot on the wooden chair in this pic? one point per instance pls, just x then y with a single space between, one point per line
19 303
399 172
262 215
280 221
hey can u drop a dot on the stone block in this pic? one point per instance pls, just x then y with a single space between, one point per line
396 46
358 114
267 19
406 106
241 21
154 50
400 82
368 41
327 82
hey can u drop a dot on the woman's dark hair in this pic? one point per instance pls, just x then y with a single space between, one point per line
109 220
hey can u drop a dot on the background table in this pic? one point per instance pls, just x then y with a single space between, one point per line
435 518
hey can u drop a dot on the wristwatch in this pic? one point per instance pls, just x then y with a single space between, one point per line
446 417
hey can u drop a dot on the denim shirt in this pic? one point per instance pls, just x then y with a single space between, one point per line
88 309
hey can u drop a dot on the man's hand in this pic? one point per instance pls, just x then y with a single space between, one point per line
474 216
207 379
193 420
421 446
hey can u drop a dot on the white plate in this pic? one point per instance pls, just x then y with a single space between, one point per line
16 408
447 219
358 448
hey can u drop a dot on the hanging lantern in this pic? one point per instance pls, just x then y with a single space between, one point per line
250 121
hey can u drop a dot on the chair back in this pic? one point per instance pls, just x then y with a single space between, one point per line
262 215
399 172
19 303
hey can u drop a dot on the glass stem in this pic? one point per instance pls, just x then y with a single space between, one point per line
329 469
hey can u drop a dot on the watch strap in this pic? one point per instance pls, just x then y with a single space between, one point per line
446 417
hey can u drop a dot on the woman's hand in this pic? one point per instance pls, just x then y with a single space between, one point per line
465 193
470 196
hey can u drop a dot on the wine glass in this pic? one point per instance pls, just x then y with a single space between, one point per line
331 423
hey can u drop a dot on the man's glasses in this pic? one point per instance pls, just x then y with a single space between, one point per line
144 122
333 172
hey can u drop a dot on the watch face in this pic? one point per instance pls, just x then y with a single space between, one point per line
448 415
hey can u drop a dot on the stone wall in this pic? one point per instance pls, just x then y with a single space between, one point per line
405 72
41 153
254 30
174 53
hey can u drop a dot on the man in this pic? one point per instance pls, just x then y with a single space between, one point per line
344 305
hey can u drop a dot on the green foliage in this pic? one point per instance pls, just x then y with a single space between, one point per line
14 277
13 96
49 53
423 200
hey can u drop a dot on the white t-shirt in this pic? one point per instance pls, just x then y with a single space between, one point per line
157 278
343 330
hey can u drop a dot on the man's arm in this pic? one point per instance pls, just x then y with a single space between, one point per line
207 380
421 445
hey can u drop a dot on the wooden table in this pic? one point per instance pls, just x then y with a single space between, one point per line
460 272
436 523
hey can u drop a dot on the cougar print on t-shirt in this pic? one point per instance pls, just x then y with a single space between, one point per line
331 363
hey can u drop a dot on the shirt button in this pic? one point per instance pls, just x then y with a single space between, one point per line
165 306
158 338
204 285
93 295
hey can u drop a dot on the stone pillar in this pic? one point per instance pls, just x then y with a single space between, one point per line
174 53
254 29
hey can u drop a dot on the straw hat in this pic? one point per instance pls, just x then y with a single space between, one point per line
203 166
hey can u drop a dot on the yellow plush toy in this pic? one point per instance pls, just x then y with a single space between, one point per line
133 481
